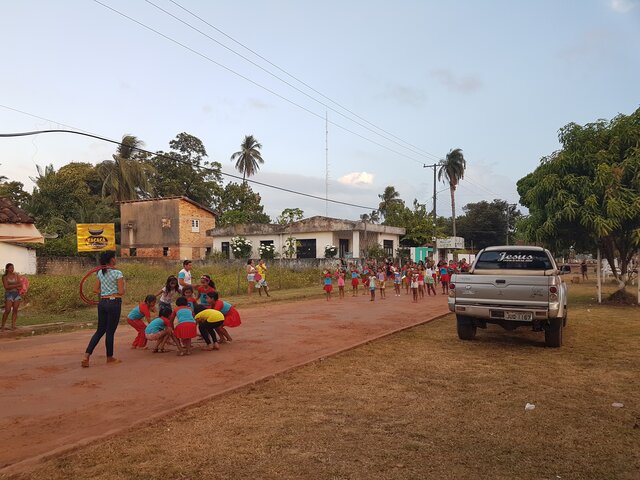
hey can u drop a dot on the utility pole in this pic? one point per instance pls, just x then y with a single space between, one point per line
434 166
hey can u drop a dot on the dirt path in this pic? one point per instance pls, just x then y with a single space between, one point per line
49 404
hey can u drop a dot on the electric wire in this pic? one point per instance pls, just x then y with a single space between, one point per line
244 77
199 167
402 143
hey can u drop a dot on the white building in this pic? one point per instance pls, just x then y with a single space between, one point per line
17 231
351 238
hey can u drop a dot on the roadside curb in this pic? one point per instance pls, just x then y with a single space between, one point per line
24 466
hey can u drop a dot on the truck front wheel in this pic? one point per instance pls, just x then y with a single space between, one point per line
466 328
553 333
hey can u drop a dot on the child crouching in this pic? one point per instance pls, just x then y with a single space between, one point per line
210 321
159 330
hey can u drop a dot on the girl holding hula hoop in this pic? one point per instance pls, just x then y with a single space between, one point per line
110 287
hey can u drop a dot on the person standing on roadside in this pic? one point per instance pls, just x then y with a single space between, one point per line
251 276
583 269
262 270
110 287
184 276
12 283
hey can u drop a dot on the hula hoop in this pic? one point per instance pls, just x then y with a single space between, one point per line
83 297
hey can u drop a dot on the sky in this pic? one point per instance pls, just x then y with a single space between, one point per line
418 78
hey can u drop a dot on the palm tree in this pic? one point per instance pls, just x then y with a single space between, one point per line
2 177
126 177
389 198
248 159
451 170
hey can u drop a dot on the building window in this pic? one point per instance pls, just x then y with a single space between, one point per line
195 226
165 251
226 250
306 248
133 252
388 247
208 251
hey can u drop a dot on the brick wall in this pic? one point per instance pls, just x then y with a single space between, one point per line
194 244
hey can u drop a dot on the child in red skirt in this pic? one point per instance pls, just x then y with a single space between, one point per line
231 315
327 283
136 320
186 328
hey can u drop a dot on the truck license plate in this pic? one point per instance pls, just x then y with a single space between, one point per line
524 316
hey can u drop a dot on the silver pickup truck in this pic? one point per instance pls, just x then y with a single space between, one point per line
511 286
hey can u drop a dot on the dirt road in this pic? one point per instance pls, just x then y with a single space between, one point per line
49 404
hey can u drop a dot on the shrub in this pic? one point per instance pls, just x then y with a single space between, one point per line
241 247
330 251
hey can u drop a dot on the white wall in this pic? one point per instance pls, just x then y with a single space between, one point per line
24 259
322 239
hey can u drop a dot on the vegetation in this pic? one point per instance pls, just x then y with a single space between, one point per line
248 159
488 223
451 171
126 177
587 194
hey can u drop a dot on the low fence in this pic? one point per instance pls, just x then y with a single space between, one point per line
78 265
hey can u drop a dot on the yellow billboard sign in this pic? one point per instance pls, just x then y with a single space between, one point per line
96 237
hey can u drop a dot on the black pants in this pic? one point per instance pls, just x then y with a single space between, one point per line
208 330
108 319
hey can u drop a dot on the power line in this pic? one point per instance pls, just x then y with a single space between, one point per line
414 150
244 77
98 137
418 149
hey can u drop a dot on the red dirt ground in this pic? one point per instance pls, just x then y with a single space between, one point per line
49 404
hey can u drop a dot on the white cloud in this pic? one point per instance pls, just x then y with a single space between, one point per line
467 84
357 178
622 6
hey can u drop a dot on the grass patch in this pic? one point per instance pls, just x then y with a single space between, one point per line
420 404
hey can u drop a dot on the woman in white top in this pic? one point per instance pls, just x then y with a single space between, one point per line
251 276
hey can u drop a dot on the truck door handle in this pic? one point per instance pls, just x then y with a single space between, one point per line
501 281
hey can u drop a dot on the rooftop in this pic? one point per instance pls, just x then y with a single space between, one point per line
10 213
178 197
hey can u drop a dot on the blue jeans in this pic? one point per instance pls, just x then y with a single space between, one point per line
108 319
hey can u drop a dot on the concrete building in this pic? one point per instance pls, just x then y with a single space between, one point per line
313 234
170 227
17 232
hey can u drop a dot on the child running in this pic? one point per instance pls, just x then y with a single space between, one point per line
231 315
209 321
136 320
381 283
186 328
206 286
159 330
328 285
168 292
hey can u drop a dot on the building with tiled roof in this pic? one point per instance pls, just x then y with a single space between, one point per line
17 231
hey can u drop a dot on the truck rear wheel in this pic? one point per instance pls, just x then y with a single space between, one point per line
553 333
466 328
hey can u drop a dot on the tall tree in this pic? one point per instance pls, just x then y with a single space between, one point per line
185 171
15 192
451 171
587 194
487 223
126 177
240 204
389 199
248 159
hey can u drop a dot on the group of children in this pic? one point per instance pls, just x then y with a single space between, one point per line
197 311
417 277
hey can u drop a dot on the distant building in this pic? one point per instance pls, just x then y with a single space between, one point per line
313 234
17 232
170 227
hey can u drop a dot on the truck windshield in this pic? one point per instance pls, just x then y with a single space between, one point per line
514 260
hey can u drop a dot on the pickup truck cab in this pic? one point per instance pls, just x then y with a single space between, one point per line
511 286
